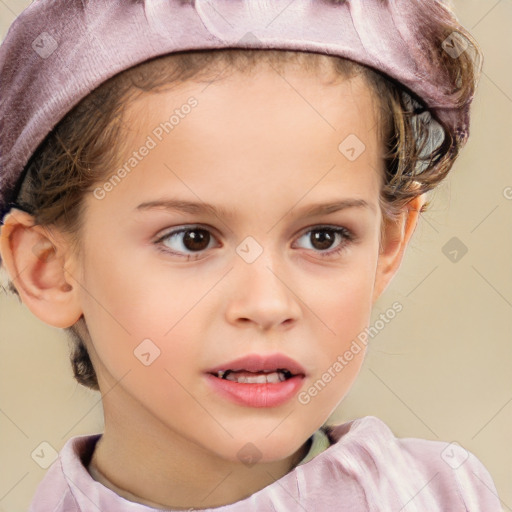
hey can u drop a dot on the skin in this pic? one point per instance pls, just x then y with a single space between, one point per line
260 150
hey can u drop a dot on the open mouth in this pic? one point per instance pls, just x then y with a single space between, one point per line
257 380
261 377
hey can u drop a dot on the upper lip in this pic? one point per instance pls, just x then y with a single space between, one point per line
261 362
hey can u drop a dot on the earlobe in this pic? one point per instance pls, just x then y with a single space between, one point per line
35 262
395 239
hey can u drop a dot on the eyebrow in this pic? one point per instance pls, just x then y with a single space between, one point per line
205 208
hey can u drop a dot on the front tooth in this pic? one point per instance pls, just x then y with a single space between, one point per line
258 379
274 377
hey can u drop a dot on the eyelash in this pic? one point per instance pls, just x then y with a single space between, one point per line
347 238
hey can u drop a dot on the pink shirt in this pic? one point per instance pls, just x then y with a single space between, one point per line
366 468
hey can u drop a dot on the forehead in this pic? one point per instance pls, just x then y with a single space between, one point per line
278 106
286 128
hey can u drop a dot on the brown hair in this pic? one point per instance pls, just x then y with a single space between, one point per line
82 149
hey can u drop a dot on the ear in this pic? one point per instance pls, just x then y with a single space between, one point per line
35 260
394 240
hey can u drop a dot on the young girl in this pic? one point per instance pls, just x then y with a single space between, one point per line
210 197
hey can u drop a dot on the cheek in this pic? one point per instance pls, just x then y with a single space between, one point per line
339 356
347 314
343 303
131 309
346 297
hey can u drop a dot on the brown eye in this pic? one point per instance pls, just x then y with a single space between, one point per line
186 240
322 239
196 239
328 241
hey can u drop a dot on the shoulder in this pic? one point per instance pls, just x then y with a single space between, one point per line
416 474
67 475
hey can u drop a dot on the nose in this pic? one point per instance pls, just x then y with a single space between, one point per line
261 294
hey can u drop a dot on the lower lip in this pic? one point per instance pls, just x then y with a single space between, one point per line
257 395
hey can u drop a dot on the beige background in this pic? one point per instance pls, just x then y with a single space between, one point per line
440 370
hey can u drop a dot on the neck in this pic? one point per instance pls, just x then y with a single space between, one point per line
143 462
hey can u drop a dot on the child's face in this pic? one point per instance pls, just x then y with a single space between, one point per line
264 149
